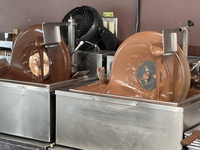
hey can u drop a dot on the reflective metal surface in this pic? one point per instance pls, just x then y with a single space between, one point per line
89 60
193 148
28 109
98 121
109 65
51 32
6 40
111 24
61 148
6 44
16 143
196 143
170 40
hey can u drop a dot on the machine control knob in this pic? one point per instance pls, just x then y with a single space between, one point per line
190 23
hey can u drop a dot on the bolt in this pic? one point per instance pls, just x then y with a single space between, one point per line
146 76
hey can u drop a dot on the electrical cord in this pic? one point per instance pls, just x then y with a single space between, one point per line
81 43
95 45
137 20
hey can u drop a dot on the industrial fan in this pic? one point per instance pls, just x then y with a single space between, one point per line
89 29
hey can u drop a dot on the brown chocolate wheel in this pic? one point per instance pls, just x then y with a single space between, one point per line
134 70
29 45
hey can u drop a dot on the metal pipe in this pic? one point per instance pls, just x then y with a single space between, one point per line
77 48
71 35
185 42
137 20
185 31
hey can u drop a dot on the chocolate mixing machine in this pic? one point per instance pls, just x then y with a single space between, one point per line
27 85
146 104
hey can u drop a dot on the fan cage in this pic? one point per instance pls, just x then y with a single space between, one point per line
84 19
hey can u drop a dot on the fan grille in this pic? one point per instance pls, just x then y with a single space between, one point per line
84 18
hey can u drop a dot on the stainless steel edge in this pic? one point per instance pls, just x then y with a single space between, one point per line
28 109
25 111
189 101
22 82
24 86
134 102
93 122
120 97
71 82
90 120
43 87
191 115
18 143
61 148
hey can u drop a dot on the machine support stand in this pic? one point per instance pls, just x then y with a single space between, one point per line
170 48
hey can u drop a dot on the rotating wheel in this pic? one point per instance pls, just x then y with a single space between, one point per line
134 70
29 54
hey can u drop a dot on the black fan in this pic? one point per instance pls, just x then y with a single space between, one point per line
89 29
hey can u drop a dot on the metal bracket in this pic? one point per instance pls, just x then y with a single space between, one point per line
51 33
185 31
170 39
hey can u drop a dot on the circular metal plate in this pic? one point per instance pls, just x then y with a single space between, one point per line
147 75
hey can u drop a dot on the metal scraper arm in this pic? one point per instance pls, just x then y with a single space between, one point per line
51 33
170 38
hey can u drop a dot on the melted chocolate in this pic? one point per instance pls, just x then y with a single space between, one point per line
4 66
132 53
157 52
29 42
193 92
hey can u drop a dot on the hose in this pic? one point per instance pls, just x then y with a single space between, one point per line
137 20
